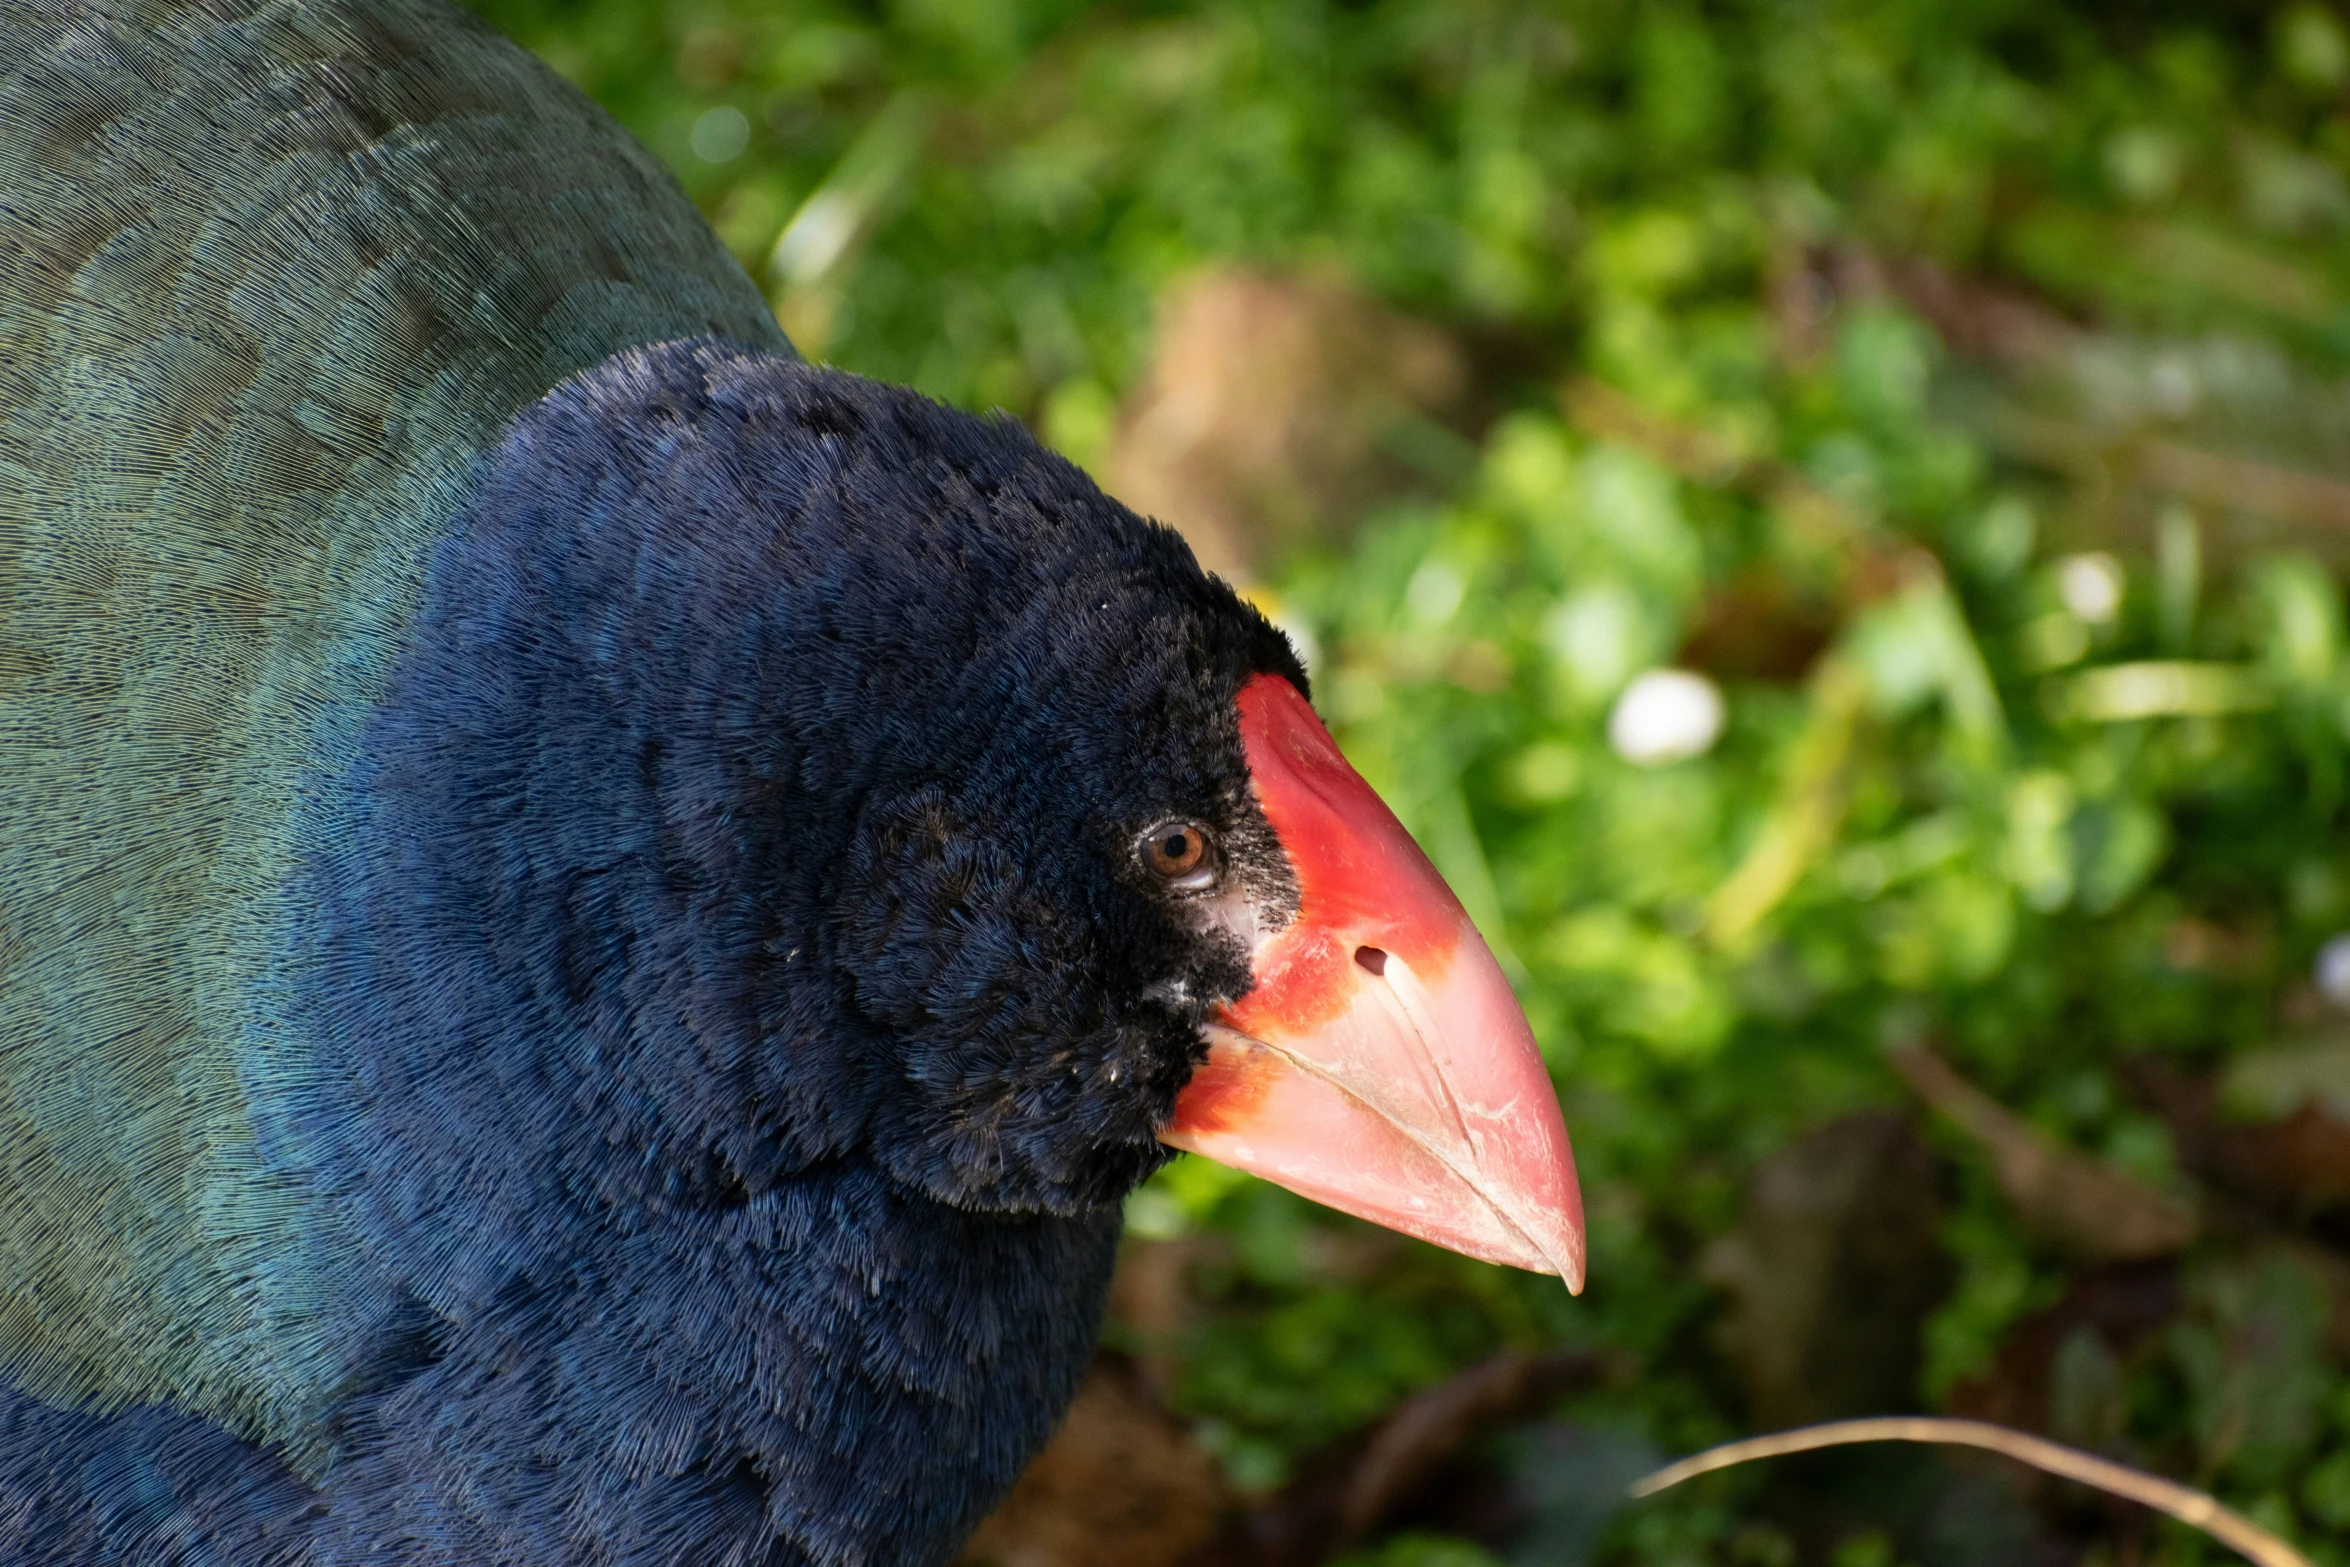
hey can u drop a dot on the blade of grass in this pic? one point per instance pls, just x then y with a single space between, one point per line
2188 1505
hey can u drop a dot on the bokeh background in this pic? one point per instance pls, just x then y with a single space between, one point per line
1826 519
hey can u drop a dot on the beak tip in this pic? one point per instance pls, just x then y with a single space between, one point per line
1563 1247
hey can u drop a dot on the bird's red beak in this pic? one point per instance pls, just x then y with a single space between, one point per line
1381 1064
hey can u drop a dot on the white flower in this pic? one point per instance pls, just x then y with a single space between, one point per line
1667 715
2091 586
2332 970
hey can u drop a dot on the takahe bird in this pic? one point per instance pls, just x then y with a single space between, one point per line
594 921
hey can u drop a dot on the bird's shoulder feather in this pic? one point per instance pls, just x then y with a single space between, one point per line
273 276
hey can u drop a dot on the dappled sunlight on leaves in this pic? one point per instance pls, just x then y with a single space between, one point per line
1962 395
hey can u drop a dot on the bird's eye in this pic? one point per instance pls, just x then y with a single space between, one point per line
1181 854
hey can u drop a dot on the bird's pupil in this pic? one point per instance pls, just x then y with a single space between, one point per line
1174 851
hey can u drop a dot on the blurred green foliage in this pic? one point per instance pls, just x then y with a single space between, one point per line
2035 755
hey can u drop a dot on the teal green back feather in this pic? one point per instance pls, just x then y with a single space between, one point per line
272 278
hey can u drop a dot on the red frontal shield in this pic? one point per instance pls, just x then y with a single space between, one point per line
1381 1064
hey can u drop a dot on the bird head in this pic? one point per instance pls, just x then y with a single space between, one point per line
890 791
1143 903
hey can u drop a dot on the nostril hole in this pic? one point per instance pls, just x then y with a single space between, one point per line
1372 959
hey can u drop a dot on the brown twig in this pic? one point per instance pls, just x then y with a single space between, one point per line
2222 481
2077 1203
2188 1505
1346 1494
1432 1426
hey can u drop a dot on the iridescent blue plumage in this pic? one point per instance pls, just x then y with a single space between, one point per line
273 278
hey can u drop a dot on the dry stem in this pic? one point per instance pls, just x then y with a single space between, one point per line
2184 1503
